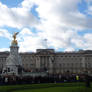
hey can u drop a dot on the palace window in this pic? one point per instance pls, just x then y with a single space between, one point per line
8 69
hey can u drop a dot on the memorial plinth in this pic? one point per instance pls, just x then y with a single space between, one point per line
13 64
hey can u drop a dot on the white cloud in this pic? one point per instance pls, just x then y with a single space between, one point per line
62 12
29 41
5 33
25 31
59 22
89 10
78 42
30 44
26 4
88 40
16 17
4 49
69 49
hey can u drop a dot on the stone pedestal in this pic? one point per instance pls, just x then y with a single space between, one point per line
13 64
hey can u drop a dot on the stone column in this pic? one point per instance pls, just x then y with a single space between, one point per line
83 64
37 62
51 64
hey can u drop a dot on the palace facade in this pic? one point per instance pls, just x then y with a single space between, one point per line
48 60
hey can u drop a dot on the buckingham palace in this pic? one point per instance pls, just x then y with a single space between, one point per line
76 62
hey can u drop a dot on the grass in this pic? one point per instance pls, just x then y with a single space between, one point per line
58 87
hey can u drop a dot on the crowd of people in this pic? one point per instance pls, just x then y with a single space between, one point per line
5 80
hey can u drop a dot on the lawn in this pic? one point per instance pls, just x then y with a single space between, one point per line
58 87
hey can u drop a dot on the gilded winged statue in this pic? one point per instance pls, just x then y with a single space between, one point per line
14 42
14 35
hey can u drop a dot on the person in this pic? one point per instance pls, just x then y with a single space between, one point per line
6 80
77 78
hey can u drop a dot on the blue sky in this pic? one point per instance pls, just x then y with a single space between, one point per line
11 3
67 25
